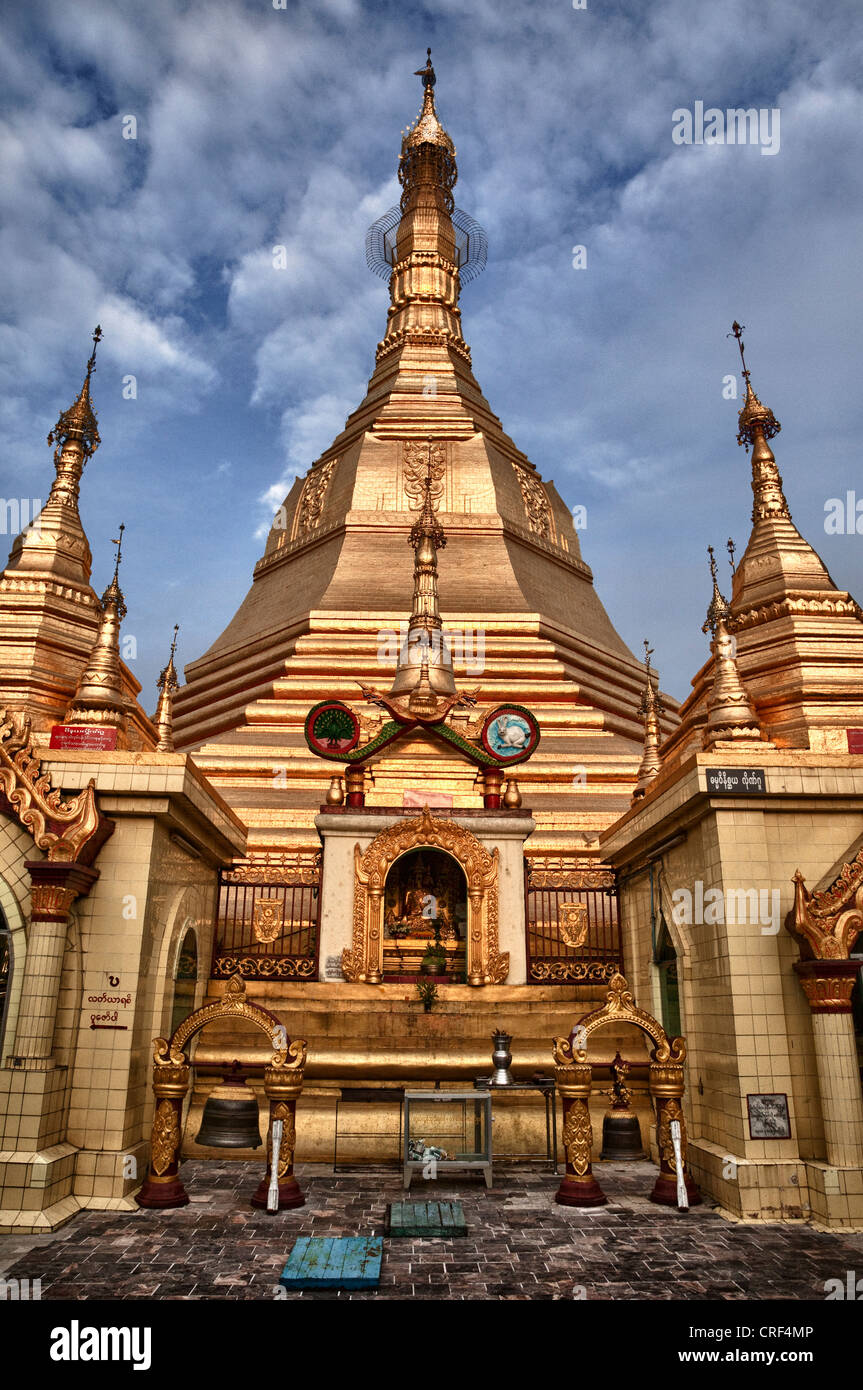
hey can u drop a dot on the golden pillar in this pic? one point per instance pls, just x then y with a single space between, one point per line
666 1085
162 1186
54 888
282 1086
827 924
573 1075
828 985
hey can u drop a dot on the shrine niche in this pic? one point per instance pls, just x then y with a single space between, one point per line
425 906
451 885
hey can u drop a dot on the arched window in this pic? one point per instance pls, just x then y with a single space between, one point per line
185 979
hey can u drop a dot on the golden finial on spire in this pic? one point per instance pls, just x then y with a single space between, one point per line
731 718
650 710
757 424
164 716
100 696
78 425
729 546
754 418
719 609
427 129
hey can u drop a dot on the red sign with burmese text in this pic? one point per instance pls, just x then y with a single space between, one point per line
83 736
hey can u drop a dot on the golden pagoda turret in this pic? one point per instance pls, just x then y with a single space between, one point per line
164 716
730 714
100 699
651 708
799 637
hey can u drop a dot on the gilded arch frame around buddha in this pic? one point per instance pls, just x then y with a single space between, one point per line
362 961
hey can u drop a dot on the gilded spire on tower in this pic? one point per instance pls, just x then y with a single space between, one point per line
756 424
730 714
164 716
424 672
76 435
100 697
650 710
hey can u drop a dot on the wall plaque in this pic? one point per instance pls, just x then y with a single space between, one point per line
768 1116
333 968
736 781
82 736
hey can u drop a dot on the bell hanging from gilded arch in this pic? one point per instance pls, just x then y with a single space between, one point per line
230 1118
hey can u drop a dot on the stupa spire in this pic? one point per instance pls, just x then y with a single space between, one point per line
650 709
424 670
54 544
100 697
730 714
164 716
756 425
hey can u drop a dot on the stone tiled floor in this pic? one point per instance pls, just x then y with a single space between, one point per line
520 1243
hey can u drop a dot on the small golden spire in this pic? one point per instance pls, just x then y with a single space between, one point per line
427 129
756 424
435 675
100 698
164 716
76 434
650 709
731 717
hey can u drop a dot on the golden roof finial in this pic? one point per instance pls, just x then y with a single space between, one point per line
650 709
719 609
729 546
427 129
100 697
756 424
731 717
164 716
78 423
754 418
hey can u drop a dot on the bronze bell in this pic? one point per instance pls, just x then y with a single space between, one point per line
621 1136
230 1118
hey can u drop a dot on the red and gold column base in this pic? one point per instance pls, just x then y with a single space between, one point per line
580 1192
290 1194
665 1191
159 1193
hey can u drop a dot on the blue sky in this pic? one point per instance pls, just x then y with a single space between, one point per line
258 126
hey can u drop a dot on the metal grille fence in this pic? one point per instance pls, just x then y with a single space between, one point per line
572 924
268 918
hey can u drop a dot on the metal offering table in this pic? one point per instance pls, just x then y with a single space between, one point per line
547 1089
454 1123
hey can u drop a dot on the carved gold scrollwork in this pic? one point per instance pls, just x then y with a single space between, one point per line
572 919
312 499
61 827
166 1137
578 1137
268 918
535 502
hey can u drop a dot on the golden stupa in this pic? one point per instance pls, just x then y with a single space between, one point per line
327 609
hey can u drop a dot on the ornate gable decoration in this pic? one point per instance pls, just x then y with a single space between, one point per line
828 923
65 830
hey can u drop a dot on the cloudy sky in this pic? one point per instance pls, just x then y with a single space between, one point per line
258 126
